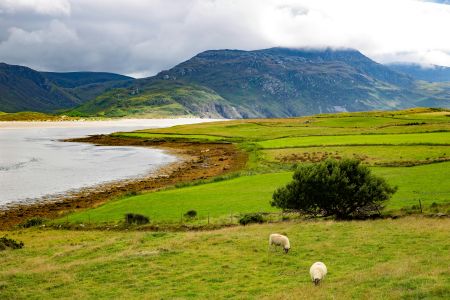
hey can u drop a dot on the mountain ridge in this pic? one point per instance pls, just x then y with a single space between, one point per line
273 82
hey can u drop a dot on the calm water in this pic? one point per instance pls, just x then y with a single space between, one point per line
34 164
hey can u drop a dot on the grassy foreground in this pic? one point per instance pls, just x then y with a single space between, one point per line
385 259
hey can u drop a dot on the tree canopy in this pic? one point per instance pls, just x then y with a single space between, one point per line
341 188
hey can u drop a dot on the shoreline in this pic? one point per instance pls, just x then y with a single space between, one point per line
197 161
85 123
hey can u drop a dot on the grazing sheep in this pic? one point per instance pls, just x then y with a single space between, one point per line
279 240
318 271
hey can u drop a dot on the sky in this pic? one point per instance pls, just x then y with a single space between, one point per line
142 37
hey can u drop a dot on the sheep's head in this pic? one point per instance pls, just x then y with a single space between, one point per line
316 281
286 249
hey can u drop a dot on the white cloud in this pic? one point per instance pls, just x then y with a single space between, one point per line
144 37
45 7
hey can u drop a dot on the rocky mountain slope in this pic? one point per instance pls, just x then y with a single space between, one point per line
276 82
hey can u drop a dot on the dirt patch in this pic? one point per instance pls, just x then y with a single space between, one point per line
198 161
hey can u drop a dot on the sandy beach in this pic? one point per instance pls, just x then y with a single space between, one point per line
103 123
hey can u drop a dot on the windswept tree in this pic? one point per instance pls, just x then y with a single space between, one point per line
341 188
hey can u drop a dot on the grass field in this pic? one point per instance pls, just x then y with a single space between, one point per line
434 138
429 183
385 259
372 155
404 258
219 200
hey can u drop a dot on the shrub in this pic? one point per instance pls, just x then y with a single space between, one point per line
343 189
251 218
190 214
137 219
36 221
6 242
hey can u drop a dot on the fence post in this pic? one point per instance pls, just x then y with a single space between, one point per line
420 204
231 217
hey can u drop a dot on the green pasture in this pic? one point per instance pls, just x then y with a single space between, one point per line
405 258
429 183
372 155
409 121
433 138
246 194
219 200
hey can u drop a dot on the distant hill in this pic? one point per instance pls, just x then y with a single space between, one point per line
431 74
24 89
276 82
77 79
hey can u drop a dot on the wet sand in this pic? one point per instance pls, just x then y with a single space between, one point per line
197 161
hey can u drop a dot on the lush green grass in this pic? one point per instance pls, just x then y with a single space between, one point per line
371 155
434 138
219 200
429 183
385 259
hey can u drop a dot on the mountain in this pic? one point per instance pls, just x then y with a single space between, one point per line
24 89
432 74
275 82
280 82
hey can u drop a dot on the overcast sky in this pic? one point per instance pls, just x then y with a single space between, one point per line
141 38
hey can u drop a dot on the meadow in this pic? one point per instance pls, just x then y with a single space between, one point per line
384 259
404 255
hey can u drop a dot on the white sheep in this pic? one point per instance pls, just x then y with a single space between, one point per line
318 271
279 240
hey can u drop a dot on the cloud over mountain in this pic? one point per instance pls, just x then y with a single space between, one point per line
143 37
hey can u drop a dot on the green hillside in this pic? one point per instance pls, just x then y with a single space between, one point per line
157 99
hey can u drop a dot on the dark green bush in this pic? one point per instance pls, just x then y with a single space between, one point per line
341 188
190 214
251 218
6 243
137 219
36 221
